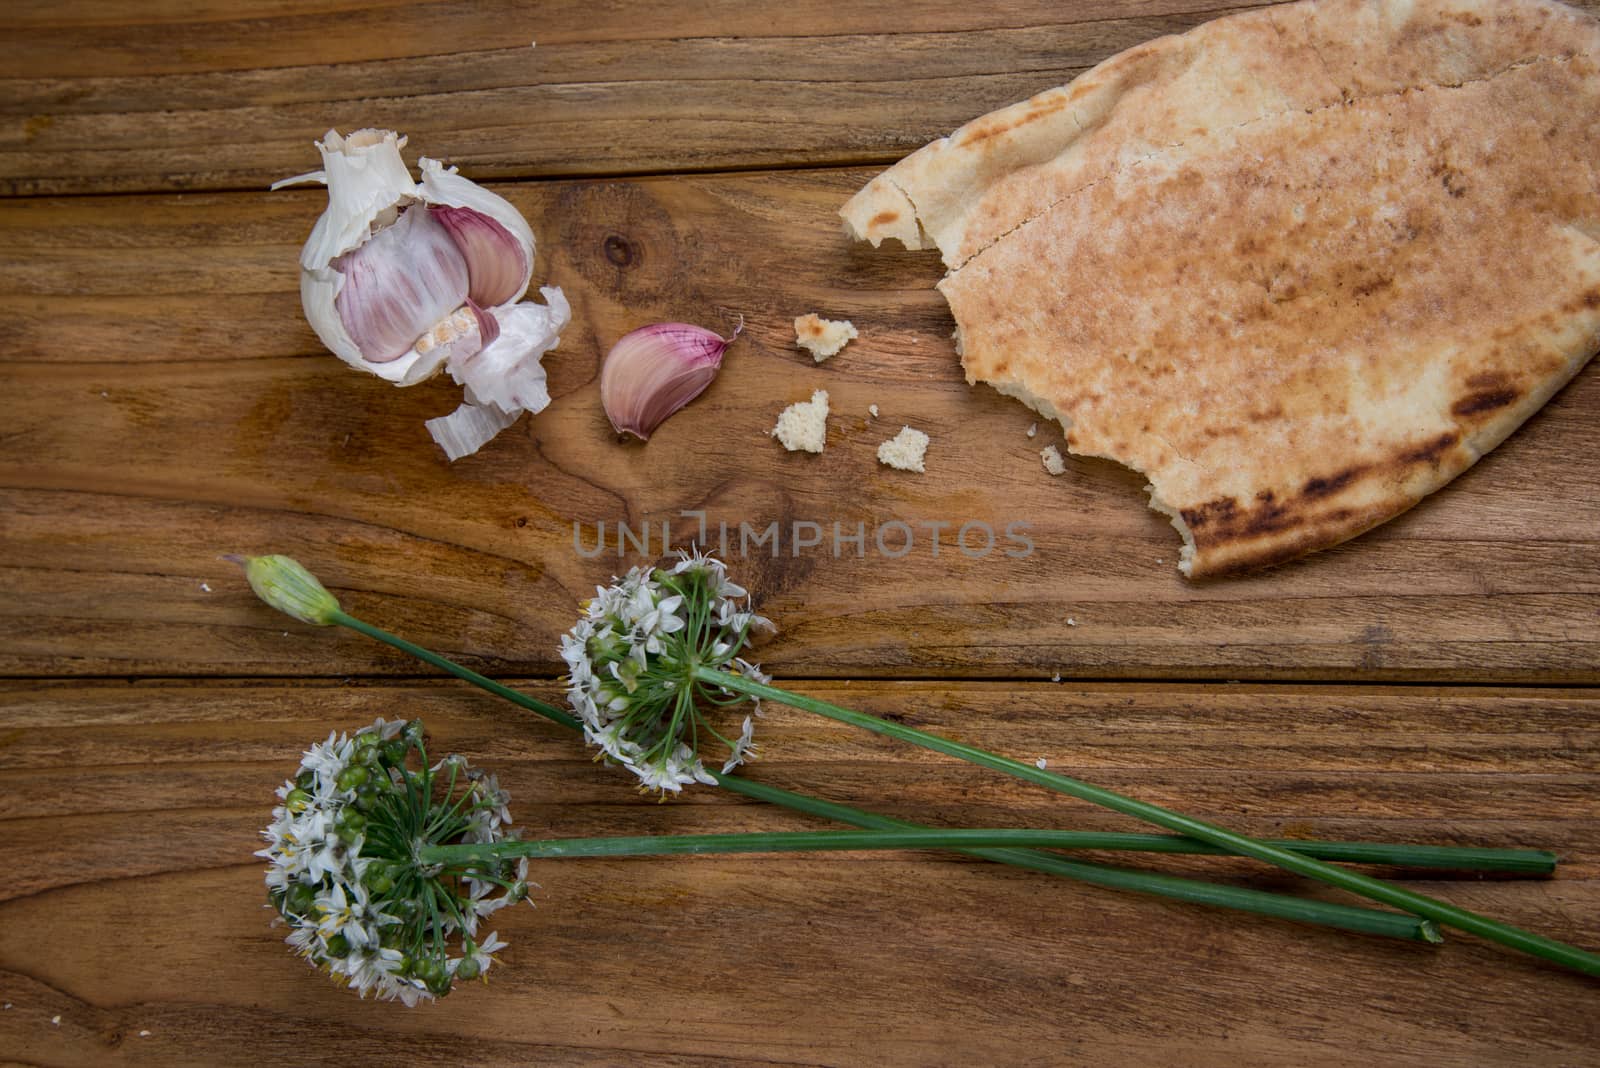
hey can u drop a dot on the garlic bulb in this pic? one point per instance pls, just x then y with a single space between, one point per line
402 279
655 370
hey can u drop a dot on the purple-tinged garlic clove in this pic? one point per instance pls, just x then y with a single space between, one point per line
497 266
397 285
656 370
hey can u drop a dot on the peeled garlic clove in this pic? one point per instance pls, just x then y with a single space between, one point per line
655 370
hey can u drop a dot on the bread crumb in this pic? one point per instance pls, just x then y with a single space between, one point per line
873 410
1032 430
1053 462
803 427
823 337
905 450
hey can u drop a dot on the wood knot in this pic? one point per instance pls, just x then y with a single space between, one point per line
619 250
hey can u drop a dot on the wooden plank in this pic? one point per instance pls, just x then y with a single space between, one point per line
127 99
595 96
128 813
166 404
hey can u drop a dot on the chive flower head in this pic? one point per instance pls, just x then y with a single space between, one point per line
349 872
631 663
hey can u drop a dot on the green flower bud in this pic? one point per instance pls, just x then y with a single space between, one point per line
468 969
439 985
338 946
434 972
379 879
299 899
287 586
352 776
367 796
296 800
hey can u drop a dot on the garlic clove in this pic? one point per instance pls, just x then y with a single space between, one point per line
398 284
442 186
497 268
652 372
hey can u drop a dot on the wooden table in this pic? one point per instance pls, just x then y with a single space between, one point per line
164 402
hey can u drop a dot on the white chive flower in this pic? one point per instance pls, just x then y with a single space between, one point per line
630 669
347 875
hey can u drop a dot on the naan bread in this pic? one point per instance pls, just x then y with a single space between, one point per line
1300 266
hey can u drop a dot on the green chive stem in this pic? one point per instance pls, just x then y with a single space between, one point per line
1001 842
1386 893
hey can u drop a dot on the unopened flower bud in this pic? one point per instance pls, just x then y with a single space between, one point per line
287 586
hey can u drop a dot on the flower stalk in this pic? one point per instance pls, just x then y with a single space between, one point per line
1374 889
1196 891
963 839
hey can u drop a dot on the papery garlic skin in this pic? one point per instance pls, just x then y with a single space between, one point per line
402 279
498 382
655 370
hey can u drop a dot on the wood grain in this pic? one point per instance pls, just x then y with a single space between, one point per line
172 97
162 402
166 403
132 97
144 800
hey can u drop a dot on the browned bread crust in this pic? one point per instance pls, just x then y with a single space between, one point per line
1300 267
